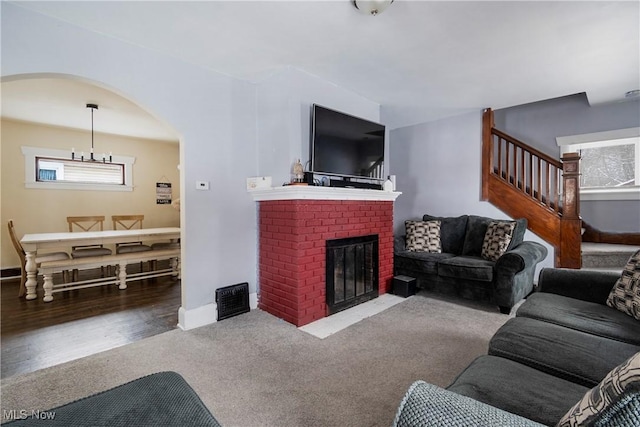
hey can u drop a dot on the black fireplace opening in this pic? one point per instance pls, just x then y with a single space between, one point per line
352 271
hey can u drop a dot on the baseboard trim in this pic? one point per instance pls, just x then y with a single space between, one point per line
206 314
10 273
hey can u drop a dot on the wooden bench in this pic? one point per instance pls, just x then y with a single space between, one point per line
47 269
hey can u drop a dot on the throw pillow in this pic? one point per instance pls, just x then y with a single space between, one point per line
615 395
497 239
423 236
625 295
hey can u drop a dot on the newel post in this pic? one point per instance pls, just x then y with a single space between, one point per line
487 151
569 255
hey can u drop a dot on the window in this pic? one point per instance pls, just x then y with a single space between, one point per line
609 164
53 169
49 169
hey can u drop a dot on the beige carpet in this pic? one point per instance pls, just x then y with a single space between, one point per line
257 370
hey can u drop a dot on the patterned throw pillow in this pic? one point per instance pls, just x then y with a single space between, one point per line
625 295
497 239
423 236
614 397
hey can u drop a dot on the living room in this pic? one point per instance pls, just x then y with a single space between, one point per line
231 129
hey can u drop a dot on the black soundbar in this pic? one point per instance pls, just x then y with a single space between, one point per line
354 184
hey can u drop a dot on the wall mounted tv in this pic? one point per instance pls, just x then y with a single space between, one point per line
346 146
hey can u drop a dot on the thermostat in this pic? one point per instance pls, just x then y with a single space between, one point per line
202 185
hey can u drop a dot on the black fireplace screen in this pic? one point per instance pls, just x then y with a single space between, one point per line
352 271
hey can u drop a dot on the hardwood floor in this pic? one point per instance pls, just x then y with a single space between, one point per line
36 335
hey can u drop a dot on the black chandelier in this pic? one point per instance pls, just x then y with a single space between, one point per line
91 158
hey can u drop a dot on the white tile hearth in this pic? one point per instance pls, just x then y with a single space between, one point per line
330 325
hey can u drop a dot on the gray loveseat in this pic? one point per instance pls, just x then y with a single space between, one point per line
563 341
461 270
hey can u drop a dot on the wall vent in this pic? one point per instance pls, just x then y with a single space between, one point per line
232 300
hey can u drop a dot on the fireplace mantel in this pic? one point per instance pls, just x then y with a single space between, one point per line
311 192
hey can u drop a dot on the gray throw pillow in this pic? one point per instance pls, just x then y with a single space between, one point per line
497 239
615 397
423 236
625 295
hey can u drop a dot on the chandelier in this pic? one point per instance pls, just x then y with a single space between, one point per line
372 7
92 157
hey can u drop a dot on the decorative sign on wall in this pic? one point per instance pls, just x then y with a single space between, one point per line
163 193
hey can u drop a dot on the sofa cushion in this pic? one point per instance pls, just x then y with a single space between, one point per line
566 353
465 267
161 399
423 236
616 397
497 239
590 317
518 233
427 405
452 232
518 389
477 228
625 295
418 262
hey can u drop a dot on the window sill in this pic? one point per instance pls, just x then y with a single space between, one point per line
617 194
77 186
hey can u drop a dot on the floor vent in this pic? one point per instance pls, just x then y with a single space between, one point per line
232 300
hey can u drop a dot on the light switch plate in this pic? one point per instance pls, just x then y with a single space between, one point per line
257 182
202 185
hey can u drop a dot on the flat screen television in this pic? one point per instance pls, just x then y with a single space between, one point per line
346 146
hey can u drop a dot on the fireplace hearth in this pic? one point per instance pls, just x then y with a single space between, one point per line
352 271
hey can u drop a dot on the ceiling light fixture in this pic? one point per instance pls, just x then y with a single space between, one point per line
632 94
91 158
372 7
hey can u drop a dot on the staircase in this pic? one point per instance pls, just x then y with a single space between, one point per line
606 256
526 183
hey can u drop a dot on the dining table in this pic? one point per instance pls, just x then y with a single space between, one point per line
38 242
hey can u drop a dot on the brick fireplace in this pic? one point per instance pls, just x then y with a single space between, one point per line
294 225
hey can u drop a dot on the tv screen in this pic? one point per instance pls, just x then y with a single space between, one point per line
345 145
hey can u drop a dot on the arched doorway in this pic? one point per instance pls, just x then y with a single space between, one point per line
49 112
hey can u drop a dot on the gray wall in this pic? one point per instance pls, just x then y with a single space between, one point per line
214 116
438 170
229 130
284 118
538 124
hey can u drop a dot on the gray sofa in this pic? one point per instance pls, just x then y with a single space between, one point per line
461 270
562 342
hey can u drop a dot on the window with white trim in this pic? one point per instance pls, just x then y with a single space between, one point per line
64 170
609 164
53 169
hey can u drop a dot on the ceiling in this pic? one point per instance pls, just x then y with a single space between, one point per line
420 60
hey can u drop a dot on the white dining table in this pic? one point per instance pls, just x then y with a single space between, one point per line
32 243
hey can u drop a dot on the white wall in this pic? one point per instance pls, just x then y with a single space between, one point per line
214 116
284 118
438 169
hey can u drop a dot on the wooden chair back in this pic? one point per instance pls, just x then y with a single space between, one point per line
127 222
21 254
86 223
16 242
